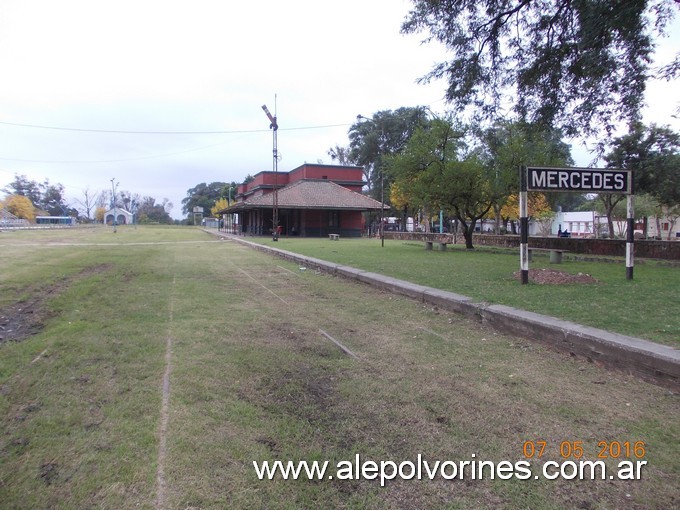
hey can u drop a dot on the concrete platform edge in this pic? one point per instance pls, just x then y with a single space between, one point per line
656 363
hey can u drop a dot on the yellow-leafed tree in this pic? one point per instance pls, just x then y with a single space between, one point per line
99 213
537 207
20 206
397 197
219 206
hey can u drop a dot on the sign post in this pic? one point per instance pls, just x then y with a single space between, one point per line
577 180
523 226
630 237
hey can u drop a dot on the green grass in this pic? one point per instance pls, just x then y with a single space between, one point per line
644 307
252 379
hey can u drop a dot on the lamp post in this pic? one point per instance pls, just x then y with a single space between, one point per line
113 202
382 186
229 217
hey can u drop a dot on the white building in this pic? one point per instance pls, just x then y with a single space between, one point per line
581 224
666 228
594 224
122 217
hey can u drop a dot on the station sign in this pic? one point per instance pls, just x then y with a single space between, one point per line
581 180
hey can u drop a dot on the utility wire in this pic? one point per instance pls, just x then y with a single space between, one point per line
146 132
113 160
127 132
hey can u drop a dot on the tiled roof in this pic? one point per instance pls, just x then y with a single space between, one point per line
312 194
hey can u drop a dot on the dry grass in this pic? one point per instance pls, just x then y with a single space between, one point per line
253 378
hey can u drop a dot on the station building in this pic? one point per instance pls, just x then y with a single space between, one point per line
313 200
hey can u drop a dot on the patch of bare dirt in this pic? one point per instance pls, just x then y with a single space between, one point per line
555 277
28 316
20 320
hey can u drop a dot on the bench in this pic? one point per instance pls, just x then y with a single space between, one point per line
442 245
334 237
555 254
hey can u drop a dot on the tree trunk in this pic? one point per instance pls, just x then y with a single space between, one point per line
610 225
467 234
497 214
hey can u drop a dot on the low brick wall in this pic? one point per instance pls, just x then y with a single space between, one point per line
664 250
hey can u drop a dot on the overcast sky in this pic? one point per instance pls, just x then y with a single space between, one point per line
153 66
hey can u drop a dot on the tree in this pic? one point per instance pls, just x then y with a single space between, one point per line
203 195
20 206
507 145
129 201
341 154
400 201
99 213
578 64
652 153
385 133
45 196
538 208
148 211
88 202
220 205
52 199
24 187
440 173
230 190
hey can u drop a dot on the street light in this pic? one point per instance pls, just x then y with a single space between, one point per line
230 216
113 198
382 186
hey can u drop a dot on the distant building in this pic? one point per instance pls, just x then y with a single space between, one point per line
579 224
7 219
312 200
666 228
55 220
122 217
210 222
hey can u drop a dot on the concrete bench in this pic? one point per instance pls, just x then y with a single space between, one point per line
442 245
334 237
555 254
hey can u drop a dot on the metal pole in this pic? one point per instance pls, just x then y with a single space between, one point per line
382 183
274 126
524 227
113 199
276 183
382 208
630 240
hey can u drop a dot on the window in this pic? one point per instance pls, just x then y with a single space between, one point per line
334 219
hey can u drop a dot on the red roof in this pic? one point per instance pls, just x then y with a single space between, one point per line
311 194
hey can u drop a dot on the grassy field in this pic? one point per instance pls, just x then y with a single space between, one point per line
645 307
150 368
